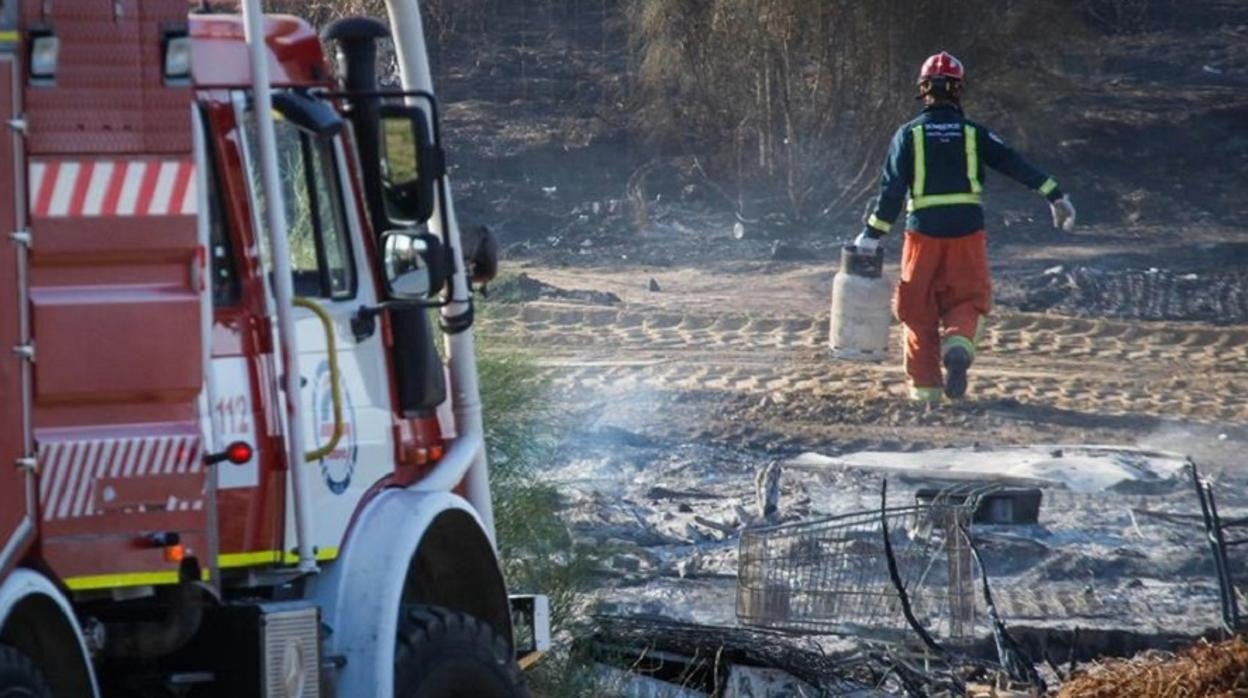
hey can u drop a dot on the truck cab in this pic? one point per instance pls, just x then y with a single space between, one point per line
241 434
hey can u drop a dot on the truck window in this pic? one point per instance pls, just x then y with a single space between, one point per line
225 290
320 252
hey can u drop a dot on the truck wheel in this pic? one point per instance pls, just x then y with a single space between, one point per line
444 654
19 677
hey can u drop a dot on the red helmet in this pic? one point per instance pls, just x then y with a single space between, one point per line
942 65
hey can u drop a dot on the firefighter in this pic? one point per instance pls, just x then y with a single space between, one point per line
945 291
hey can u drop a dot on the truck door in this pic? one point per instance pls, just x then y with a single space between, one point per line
332 281
15 482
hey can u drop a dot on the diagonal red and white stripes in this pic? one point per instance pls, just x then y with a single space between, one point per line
95 188
69 470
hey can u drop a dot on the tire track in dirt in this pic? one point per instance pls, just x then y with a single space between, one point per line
1164 370
1058 339
1162 398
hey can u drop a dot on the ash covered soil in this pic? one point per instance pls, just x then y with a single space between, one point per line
680 396
688 352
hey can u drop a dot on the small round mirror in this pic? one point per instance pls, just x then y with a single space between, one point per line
407 265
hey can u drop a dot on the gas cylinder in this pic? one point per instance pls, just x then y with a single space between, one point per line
860 307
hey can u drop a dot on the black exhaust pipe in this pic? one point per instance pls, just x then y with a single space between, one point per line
418 370
357 39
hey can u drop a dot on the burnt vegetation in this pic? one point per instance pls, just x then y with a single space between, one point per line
640 130
789 103
777 114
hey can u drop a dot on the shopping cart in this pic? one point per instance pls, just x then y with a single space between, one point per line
832 575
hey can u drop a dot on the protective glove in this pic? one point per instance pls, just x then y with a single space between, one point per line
868 241
1063 214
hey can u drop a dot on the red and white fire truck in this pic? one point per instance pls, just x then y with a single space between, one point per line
241 447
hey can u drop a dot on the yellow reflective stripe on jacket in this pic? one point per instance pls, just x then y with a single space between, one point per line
918 196
944 200
1049 185
920 162
879 224
972 158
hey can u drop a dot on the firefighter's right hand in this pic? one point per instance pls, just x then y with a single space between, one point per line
867 242
1063 214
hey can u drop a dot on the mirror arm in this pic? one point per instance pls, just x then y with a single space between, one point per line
438 155
364 321
368 313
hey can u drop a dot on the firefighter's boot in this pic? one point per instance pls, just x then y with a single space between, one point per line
957 360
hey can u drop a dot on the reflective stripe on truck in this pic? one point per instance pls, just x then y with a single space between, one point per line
104 188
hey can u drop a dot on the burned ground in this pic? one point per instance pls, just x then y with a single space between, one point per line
686 347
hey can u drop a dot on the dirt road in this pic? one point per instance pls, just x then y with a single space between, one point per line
758 361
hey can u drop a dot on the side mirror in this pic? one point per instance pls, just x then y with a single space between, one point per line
414 264
411 163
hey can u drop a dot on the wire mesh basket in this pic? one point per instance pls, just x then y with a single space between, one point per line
832 575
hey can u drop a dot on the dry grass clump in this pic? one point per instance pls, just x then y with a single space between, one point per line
1204 670
793 101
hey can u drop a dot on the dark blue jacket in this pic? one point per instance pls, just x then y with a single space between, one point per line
947 201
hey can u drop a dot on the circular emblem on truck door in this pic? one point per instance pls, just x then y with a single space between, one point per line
339 465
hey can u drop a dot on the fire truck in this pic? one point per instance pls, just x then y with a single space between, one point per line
241 441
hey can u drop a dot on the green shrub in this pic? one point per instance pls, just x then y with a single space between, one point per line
538 551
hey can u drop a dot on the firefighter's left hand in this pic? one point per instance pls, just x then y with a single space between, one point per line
1063 214
867 242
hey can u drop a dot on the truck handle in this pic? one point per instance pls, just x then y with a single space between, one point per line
335 390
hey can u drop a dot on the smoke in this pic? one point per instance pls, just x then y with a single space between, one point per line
1214 447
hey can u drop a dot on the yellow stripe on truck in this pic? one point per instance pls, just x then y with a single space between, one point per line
253 559
125 579
9 36
258 558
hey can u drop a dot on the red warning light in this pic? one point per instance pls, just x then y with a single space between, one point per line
238 452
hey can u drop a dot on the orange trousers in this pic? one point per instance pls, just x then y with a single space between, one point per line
944 294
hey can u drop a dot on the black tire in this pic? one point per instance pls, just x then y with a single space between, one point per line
444 654
19 677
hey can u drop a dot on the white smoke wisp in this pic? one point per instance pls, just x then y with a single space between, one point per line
1216 448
